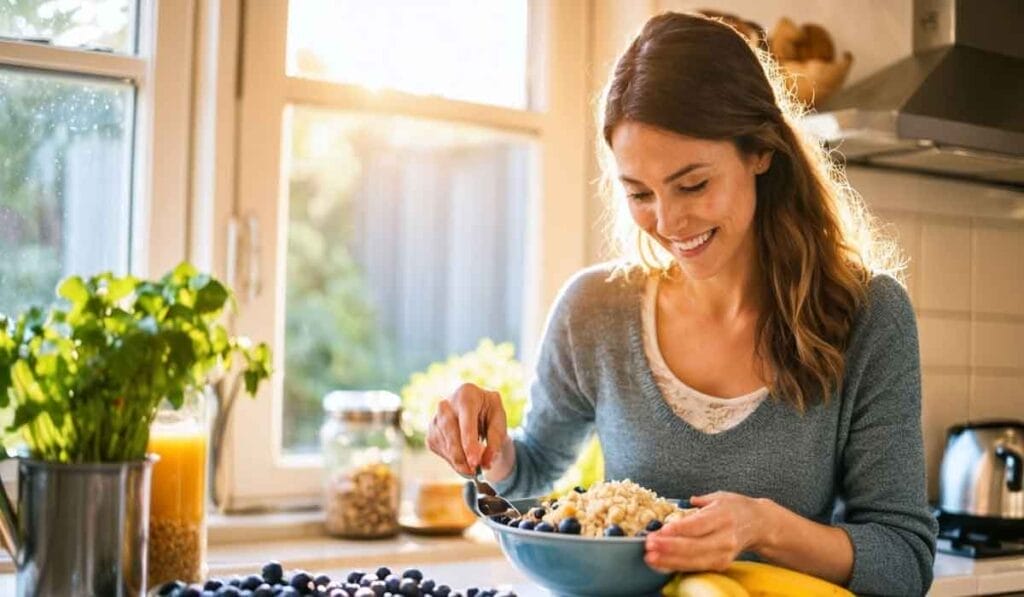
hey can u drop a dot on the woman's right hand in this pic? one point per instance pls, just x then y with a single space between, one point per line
461 420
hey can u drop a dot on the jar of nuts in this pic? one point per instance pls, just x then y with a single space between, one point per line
362 448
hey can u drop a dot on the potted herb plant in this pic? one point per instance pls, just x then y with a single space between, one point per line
80 383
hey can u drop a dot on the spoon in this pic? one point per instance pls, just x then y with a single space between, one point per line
484 500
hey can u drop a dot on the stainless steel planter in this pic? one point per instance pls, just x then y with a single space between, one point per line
80 529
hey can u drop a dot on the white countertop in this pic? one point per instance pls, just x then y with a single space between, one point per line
475 560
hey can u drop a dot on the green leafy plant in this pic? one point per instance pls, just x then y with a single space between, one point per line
84 377
492 366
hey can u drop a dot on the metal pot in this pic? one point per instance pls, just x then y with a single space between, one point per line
80 529
981 471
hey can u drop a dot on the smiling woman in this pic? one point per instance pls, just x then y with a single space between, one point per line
750 351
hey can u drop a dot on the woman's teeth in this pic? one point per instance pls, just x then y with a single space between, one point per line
696 241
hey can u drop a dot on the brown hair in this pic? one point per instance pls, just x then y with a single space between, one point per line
817 249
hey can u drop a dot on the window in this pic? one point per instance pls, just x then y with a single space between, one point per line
78 116
411 176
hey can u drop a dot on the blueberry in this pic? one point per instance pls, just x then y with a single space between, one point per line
236 581
251 582
442 591
378 587
393 583
413 574
579 489
487 593
365 592
228 591
409 588
501 519
383 572
288 591
301 581
569 526
526 525
538 512
654 525
191 591
356 576
263 590
322 580
273 572
338 593
472 592
212 585
545 527
514 523
613 530
455 594
170 587
427 585
351 588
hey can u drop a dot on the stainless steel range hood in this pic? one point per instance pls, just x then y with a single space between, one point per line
954 108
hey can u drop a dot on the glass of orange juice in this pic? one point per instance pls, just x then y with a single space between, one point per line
177 508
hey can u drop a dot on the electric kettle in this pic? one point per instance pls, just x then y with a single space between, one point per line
981 472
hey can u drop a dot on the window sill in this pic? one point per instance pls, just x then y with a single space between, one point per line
242 543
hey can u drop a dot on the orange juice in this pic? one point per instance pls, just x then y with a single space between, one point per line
179 477
177 524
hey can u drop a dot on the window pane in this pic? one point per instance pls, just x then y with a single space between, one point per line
461 49
98 24
405 245
64 182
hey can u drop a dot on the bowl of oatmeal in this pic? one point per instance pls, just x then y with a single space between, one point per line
588 542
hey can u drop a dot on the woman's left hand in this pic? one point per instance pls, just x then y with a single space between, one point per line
710 539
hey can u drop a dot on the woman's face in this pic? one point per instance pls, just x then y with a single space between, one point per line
693 196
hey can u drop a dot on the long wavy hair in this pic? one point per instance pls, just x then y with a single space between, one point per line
816 243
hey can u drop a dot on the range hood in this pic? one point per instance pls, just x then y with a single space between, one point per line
953 108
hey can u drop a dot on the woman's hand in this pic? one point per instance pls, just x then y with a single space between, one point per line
468 415
710 539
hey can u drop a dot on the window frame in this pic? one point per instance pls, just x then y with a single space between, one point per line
160 74
255 473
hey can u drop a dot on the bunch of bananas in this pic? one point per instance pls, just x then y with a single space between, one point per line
752 579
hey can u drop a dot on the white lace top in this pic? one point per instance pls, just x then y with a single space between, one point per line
705 413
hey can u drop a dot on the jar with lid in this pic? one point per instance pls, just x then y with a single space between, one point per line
177 508
362 447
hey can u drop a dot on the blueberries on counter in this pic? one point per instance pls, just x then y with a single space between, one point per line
273 582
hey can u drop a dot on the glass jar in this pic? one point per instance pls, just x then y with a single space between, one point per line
362 447
177 506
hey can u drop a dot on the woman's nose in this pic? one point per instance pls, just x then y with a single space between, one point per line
672 218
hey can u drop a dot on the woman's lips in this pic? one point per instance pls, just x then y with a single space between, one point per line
694 245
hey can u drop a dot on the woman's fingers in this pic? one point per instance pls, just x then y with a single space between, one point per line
469 403
695 525
687 554
446 439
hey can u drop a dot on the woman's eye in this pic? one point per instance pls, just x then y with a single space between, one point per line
694 188
640 196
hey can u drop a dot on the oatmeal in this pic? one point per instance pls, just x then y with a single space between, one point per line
612 509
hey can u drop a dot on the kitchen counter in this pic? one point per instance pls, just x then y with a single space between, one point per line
474 559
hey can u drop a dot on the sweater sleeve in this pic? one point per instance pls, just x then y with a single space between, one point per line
559 417
883 483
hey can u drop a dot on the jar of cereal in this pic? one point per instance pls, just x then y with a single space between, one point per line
362 448
177 507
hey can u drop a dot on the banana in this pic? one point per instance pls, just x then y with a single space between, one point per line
704 584
765 580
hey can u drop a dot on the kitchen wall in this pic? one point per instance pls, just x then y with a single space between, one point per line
964 242
965 274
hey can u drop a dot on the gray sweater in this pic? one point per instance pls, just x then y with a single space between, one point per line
856 462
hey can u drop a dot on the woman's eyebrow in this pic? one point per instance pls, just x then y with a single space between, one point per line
680 172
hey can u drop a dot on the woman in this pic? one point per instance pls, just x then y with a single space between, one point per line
752 356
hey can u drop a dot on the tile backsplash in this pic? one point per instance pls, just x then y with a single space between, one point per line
965 247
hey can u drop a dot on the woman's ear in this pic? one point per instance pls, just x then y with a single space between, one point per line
764 161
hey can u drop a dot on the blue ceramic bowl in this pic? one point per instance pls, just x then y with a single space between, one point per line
574 566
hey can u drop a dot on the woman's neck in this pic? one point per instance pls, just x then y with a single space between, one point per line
735 292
